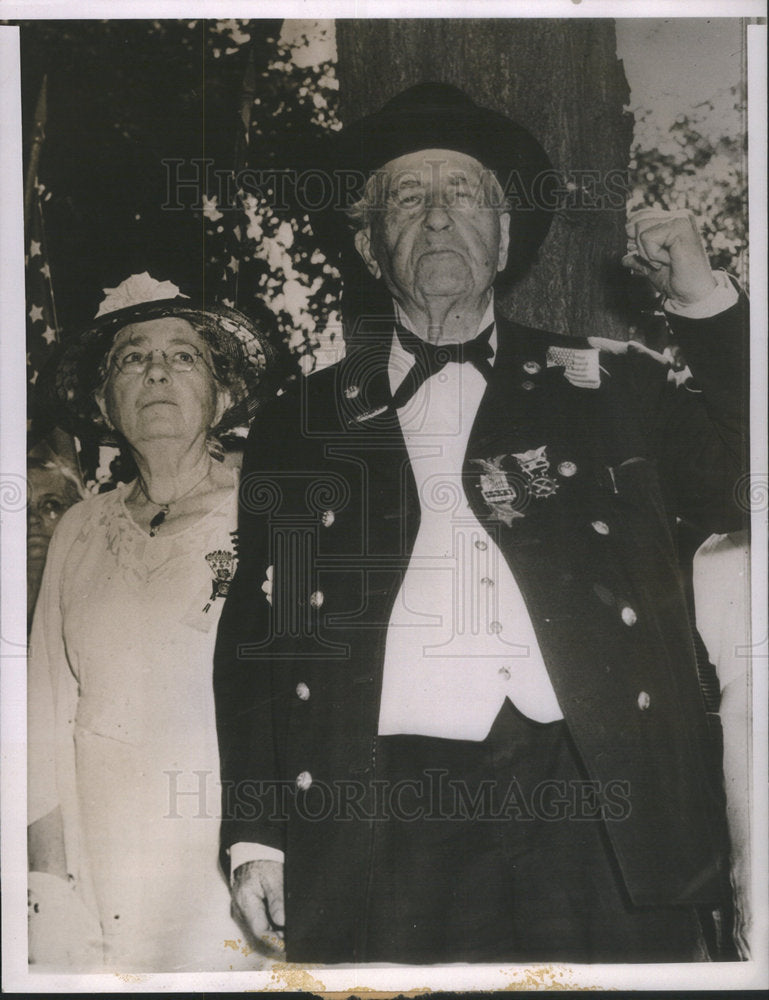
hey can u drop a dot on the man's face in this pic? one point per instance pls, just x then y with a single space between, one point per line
435 231
51 493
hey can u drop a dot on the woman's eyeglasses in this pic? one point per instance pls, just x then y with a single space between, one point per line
133 362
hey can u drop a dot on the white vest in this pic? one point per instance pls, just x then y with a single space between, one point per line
460 639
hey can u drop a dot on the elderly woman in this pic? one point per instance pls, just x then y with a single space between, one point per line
123 773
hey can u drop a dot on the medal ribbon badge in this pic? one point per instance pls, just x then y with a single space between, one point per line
504 496
508 492
536 467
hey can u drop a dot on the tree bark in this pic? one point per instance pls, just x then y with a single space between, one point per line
562 80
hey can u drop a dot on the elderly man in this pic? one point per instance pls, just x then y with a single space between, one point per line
458 706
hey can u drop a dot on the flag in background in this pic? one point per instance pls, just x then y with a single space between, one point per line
42 322
42 325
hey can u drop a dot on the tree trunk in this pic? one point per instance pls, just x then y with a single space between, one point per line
562 80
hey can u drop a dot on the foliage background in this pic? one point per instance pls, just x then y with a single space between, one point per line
125 96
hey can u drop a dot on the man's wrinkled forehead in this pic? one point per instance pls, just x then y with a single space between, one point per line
431 167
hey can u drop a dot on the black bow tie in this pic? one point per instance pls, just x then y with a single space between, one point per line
430 358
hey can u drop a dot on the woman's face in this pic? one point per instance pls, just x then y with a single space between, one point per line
146 399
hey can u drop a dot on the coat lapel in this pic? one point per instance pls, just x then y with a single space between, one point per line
366 434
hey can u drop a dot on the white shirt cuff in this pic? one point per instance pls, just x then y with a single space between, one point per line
245 851
723 297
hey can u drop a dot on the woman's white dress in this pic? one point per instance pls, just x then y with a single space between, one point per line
122 731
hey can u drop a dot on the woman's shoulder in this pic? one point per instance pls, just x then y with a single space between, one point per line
85 514
92 505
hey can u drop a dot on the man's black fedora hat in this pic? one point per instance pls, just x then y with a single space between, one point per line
441 116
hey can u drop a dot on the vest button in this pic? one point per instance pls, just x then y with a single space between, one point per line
644 701
302 691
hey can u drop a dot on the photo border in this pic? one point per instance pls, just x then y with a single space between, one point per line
361 979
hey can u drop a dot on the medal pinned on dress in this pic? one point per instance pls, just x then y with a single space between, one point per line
222 565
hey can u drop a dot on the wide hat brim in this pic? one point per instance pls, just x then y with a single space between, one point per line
243 358
440 116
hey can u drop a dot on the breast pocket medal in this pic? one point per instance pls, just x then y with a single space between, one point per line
535 466
508 492
503 495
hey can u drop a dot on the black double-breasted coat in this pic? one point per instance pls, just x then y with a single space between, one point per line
328 499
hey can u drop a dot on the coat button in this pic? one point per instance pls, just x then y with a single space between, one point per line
302 691
316 598
351 391
601 527
303 780
327 518
527 385
644 701
567 468
629 617
495 627
531 367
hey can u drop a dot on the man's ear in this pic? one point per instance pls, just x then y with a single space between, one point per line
504 240
363 246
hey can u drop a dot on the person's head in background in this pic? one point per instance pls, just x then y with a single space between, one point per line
53 487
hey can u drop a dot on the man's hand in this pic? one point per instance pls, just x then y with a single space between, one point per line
667 248
257 892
